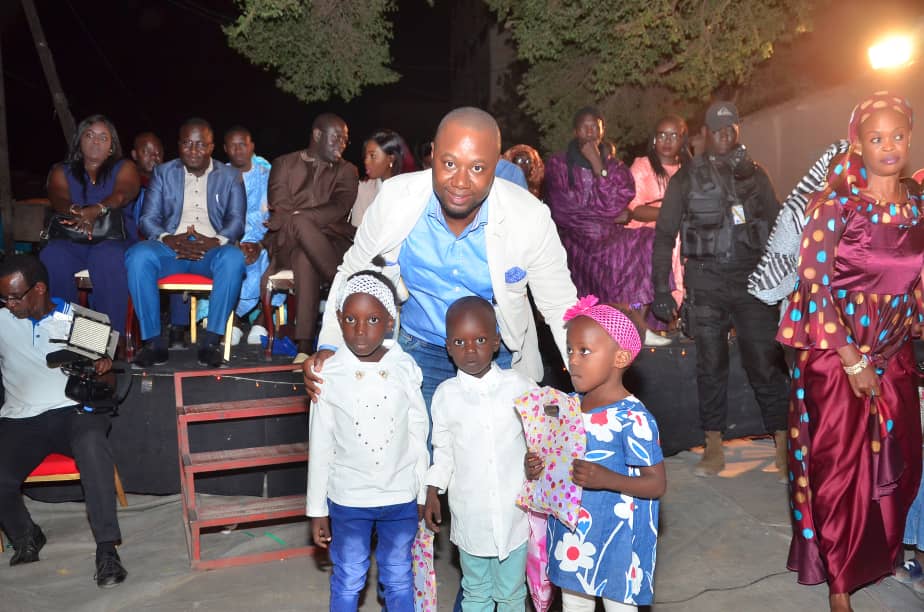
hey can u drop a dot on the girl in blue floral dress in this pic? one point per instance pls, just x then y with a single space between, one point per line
611 554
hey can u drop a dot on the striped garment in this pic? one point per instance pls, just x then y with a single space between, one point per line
775 275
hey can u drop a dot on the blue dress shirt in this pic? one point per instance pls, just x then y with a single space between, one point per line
439 267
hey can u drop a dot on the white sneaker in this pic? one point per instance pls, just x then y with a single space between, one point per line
236 335
253 336
653 339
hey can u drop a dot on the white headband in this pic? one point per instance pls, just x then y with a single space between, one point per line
368 284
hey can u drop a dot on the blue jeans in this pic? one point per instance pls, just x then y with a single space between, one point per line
150 260
351 540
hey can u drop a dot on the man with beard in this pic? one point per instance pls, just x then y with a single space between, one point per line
454 231
311 193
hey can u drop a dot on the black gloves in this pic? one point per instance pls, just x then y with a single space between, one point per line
664 307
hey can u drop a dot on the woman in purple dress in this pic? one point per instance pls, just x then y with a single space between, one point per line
588 191
854 431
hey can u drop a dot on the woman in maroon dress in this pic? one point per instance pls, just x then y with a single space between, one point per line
855 434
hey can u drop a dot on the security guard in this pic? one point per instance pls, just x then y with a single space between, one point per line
723 205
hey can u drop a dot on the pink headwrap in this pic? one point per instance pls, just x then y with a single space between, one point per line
616 324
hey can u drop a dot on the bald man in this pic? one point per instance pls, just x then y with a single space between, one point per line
454 231
310 196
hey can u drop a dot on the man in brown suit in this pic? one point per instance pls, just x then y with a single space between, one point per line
310 196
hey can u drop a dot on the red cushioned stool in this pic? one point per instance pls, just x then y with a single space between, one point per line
190 283
57 468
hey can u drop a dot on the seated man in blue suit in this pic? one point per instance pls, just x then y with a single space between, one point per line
193 215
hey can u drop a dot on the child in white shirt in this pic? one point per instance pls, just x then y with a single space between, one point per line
478 451
368 444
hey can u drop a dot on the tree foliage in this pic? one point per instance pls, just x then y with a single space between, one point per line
637 59
317 48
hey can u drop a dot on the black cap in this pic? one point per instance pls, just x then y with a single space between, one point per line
720 115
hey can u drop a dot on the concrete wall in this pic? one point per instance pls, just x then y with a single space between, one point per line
786 139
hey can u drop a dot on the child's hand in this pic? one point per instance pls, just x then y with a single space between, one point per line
320 530
533 465
432 515
591 475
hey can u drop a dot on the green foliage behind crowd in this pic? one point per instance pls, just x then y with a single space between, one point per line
635 59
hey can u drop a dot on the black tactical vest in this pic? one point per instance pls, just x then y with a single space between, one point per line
708 229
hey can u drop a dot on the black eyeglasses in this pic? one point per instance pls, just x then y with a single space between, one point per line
16 298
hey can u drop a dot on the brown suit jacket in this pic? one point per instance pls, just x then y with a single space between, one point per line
325 192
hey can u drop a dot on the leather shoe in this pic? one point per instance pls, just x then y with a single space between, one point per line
109 570
211 356
27 548
149 356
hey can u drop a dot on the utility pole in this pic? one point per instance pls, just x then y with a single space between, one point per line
6 181
51 74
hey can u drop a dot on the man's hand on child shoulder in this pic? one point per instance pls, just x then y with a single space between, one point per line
310 369
432 514
320 530
532 464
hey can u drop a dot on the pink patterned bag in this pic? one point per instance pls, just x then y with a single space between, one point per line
554 430
537 560
424 571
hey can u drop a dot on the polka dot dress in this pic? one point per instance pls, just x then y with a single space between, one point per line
859 283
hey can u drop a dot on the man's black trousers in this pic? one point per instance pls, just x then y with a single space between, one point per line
24 443
720 301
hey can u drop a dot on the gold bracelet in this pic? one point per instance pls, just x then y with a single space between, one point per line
853 370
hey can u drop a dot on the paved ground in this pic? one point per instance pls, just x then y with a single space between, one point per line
723 546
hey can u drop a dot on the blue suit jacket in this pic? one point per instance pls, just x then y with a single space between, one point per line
163 201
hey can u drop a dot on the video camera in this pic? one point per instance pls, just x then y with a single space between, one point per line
91 338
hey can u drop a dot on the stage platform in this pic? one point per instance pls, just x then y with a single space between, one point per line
145 443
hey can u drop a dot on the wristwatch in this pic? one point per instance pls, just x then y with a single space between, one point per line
103 209
603 173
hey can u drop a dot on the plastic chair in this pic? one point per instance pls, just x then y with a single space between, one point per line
58 468
191 283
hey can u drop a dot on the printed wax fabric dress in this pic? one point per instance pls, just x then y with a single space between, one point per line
612 552
854 463
584 207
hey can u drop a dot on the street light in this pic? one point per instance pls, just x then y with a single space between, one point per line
891 52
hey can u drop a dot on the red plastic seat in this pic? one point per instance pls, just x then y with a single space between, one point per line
55 465
58 468
182 281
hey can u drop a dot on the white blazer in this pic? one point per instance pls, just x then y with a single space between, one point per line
523 249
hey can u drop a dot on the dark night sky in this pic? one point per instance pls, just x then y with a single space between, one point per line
150 64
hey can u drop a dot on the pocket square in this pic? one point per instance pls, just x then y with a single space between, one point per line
514 275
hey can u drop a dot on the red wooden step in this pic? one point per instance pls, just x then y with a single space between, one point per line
219 411
260 509
238 458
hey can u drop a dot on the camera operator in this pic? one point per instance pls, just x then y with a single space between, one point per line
37 418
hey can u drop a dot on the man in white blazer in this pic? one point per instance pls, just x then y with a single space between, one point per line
455 231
